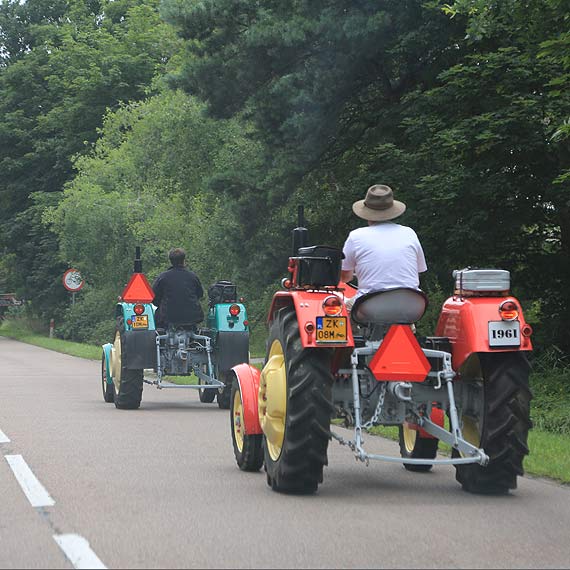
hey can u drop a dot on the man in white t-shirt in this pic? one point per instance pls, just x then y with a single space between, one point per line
383 255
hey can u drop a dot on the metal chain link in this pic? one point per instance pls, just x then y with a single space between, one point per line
378 411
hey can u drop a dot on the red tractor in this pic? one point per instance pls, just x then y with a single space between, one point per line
369 368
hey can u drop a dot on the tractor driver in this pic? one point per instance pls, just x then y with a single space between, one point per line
383 255
177 293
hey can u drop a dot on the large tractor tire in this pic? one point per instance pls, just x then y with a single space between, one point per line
108 389
294 408
128 384
248 449
412 446
224 394
500 425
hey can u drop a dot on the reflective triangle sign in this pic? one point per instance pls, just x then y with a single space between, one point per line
138 290
400 357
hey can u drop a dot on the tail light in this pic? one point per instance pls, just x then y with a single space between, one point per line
332 306
139 309
309 327
508 310
235 310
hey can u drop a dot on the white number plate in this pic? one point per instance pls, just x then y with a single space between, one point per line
504 333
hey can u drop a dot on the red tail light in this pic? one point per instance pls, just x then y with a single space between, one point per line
235 310
139 309
508 311
332 306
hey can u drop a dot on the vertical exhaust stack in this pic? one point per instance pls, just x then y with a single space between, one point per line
138 260
300 233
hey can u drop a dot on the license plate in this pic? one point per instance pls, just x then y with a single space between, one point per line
140 322
504 334
331 329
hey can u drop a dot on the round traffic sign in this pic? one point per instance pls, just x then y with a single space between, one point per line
72 280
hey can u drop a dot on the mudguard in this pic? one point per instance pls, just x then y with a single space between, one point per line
308 306
139 349
248 380
465 322
231 348
107 352
437 417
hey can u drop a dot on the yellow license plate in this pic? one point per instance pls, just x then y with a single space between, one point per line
331 329
140 322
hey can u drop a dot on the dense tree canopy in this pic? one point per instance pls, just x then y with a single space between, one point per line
208 128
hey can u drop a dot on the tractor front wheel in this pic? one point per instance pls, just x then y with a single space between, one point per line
206 396
294 408
412 446
248 449
108 390
225 393
499 424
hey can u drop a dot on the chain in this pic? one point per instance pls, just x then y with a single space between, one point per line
378 411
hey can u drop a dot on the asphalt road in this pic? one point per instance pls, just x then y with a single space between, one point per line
159 488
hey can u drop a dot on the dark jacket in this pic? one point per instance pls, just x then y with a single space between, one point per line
177 292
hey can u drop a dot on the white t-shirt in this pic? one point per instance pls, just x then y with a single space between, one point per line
384 256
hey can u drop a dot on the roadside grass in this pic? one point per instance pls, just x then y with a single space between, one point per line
549 452
12 329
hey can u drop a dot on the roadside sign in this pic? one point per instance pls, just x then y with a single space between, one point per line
73 281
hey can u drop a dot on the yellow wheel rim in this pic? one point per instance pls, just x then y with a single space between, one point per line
238 421
410 436
116 362
273 400
470 431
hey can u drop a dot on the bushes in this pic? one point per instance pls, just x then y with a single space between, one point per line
91 319
550 382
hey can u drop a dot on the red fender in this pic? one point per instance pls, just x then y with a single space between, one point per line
436 417
308 306
248 380
465 321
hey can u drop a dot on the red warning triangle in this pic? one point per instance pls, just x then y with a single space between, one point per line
138 290
400 357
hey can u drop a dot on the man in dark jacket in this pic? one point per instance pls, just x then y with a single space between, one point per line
177 292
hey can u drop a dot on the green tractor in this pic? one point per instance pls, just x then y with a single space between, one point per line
139 348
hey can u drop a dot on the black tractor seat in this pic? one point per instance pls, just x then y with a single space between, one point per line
389 307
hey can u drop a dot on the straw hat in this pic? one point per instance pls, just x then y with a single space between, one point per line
379 205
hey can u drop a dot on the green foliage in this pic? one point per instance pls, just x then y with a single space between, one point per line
461 107
62 65
550 380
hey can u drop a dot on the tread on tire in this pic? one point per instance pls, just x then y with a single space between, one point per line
506 422
299 467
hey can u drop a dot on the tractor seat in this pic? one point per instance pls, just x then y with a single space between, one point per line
392 306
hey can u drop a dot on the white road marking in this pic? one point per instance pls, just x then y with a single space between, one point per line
33 489
78 551
3 437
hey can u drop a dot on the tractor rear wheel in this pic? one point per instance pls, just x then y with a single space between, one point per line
108 390
248 449
500 425
413 446
128 384
294 408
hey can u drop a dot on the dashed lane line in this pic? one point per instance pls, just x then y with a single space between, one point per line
3 437
33 489
78 551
